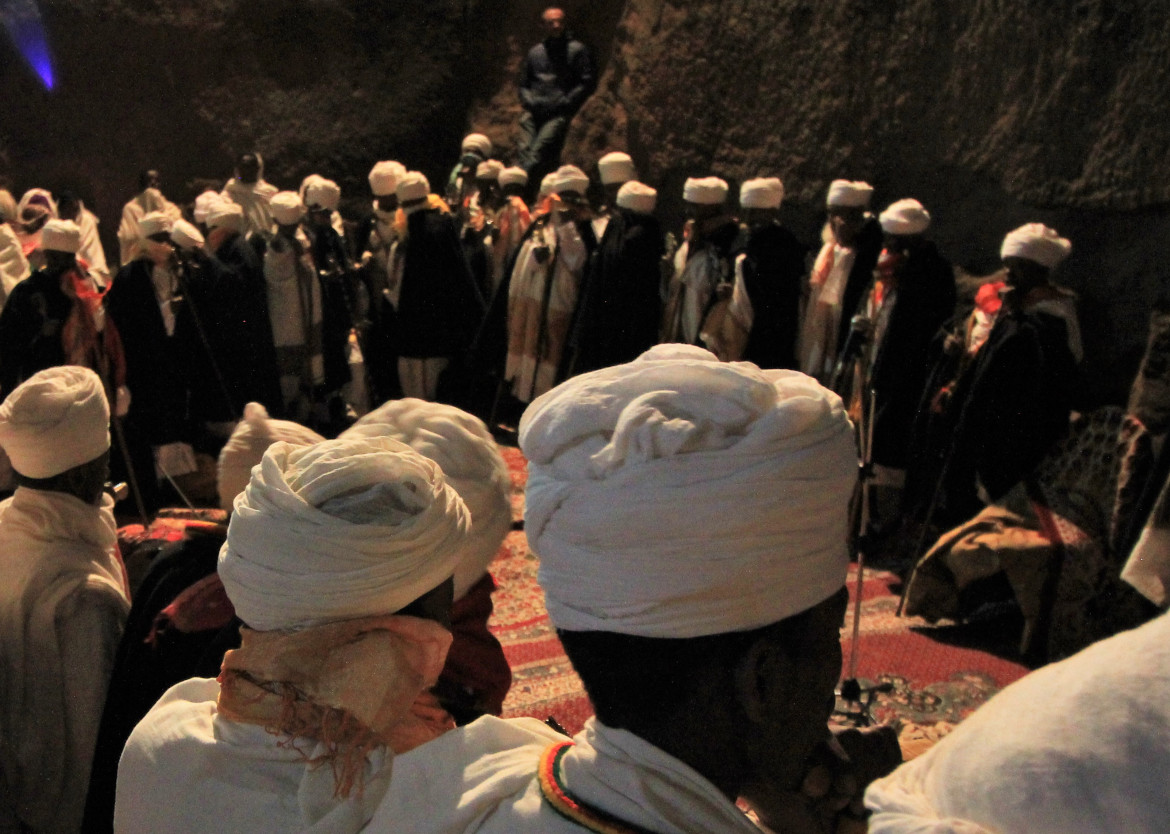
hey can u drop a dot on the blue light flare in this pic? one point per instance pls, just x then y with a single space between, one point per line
22 19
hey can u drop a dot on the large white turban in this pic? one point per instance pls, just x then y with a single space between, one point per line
489 170
846 194
226 214
246 447
186 235
679 496
477 143
55 420
637 197
570 178
412 185
616 167
339 530
322 194
763 192
287 208
203 204
471 462
513 176
1036 242
905 217
155 223
705 191
548 183
61 236
384 177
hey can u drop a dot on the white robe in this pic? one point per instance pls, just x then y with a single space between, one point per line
63 605
14 266
187 770
129 233
253 198
483 778
91 246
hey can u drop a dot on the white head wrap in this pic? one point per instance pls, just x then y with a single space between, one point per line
226 214
638 197
249 441
489 170
339 530
570 178
905 217
679 496
155 223
287 208
616 167
1036 242
55 420
384 177
761 193
705 191
185 234
203 204
513 176
477 143
471 463
37 198
61 236
412 186
846 194
547 184
321 193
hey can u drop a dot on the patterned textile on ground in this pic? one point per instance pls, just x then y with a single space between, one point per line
1056 540
937 679
140 544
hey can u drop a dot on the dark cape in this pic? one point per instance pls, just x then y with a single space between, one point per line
340 301
773 273
619 305
867 247
30 329
925 302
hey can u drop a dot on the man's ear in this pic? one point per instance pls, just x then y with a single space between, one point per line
763 676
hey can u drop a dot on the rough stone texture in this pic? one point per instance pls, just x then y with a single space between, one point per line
992 114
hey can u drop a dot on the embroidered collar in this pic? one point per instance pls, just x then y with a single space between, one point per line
570 807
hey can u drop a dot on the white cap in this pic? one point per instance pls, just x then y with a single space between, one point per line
513 176
203 204
846 194
616 167
412 186
637 197
226 214
287 208
384 177
905 217
761 193
56 420
61 236
570 178
1036 242
489 170
322 194
155 223
185 234
705 191
547 185
477 143
246 447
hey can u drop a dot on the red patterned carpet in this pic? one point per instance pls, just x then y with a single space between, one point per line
939 673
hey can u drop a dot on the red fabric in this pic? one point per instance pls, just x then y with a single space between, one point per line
476 661
204 606
988 299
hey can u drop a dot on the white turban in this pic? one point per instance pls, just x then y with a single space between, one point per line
616 167
321 193
61 236
38 199
185 234
55 420
1036 242
226 214
477 143
339 530
471 462
547 184
762 193
905 217
489 170
287 208
249 441
155 223
412 186
846 194
203 204
513 176
570 178
679 496
637 197
705 191
384 177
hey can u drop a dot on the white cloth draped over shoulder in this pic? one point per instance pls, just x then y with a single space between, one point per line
483 778
678 496
339 531
253 198
63 604
142 204
14 266
1078 747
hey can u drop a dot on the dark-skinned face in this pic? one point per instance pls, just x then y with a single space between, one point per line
248 169
846 223
554 23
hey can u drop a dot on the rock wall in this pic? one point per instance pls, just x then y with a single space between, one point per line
991 113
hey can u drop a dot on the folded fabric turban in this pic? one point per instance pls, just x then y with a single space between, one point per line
764 193
616 167
846 194
1036 242
905 217
55 420
705 191
246 447
637 197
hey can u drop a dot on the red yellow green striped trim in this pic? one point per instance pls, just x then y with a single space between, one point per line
568 806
